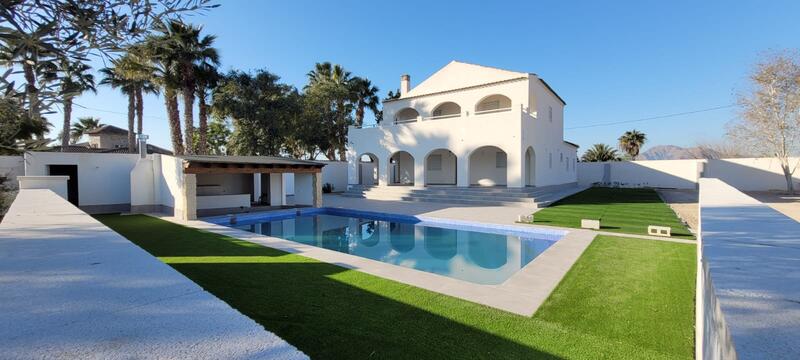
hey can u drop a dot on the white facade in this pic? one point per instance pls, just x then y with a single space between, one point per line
467 125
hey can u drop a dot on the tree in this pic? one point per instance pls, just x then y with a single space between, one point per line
75 80
82 127
260 108
770 112
113 77
631 142
157 49
219 133
137 69
19 131
366 97
37 35
331 84
600 152
206 78
188 50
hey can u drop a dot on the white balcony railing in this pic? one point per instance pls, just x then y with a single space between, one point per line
492 111
406 121
449 116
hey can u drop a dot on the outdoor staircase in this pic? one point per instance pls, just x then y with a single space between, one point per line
535 197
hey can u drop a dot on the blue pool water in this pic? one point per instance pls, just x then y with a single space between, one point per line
461 251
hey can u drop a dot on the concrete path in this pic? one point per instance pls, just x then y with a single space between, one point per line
72 288
788 205
753 257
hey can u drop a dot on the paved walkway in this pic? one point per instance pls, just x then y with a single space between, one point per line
753 257
72 288
788 205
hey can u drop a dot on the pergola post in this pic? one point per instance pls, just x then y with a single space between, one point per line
316 183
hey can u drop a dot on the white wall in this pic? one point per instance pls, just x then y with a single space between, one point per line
748 174
334 173
56 184
304 185
224 184
11 167
447 175
103 179
753 174
483 168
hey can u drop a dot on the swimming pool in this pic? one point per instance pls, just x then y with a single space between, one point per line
460 250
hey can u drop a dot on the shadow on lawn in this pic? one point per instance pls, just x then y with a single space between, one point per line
320 308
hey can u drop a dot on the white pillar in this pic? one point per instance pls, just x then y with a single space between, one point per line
256 187
277 192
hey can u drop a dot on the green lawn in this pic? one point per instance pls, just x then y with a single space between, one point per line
624 299
619 210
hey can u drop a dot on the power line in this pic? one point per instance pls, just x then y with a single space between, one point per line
115 112
653 117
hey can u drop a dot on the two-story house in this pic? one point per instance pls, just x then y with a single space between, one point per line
467 126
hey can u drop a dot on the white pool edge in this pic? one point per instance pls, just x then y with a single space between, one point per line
521 294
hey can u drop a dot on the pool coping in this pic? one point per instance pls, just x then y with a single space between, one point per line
520 294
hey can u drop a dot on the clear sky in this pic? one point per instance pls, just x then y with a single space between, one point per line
610 61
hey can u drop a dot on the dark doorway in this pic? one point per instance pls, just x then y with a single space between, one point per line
72 183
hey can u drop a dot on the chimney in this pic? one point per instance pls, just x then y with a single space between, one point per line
143 145
405 84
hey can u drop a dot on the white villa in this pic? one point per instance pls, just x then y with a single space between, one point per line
467 125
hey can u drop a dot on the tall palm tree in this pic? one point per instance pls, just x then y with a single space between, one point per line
631 142
335 80
75 79
600 152
138 69
82 126
187 49
206 78
158 49
366 97
113 76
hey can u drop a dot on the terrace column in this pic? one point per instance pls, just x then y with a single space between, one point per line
256 187
277 192
316 183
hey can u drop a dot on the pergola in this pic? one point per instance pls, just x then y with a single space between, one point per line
308 177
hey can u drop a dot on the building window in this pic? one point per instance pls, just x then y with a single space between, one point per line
550 113
500 160
435 162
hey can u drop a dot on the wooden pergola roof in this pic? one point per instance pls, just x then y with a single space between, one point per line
207 164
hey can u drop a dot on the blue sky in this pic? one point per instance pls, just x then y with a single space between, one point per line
610 61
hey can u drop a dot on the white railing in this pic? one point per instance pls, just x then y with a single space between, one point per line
492 111
406 121
442 117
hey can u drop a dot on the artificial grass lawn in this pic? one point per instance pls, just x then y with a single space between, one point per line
624 298
619 210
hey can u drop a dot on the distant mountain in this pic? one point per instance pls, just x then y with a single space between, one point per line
672 152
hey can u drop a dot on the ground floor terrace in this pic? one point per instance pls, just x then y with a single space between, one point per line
485 166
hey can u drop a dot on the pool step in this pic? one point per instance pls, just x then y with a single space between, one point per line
535 197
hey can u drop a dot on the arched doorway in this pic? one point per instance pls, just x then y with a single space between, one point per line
440 167
401 169
530 167
368 169
487 166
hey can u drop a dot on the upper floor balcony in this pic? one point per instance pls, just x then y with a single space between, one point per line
451 110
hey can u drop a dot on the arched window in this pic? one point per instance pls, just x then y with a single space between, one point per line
446 109
406 115
493 103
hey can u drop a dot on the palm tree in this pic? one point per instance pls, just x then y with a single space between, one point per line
113 76
327 72
186 48
366 96
75 80
600 152
138 69
206 78
158 50
82 126
631 142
